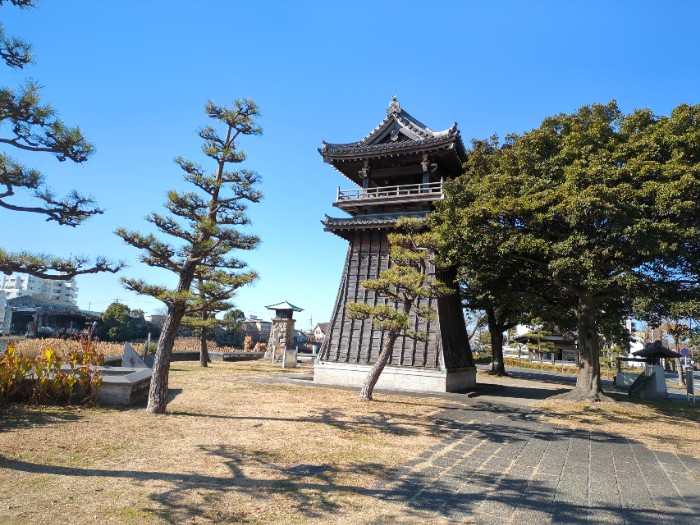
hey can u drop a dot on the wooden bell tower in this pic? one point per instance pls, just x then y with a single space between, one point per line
398 170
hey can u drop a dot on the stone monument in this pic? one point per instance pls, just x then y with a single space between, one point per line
131 359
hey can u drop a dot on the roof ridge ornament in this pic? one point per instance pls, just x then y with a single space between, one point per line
394 106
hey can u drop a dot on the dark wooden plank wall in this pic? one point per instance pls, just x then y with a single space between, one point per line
354 341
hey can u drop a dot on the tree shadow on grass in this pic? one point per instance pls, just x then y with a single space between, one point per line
451 423
335 418
313 492
522 392
17 416
542 376
310 490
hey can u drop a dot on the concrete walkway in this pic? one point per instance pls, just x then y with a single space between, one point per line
502 465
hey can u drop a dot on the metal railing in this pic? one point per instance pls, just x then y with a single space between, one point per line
428 189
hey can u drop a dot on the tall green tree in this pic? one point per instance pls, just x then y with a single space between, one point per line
678 142
583 199
233 320
408 281
508 290
676 303
204 225
121 323
28 125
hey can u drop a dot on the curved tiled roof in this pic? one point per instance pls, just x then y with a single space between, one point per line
358 147
397 122
284 305
369 220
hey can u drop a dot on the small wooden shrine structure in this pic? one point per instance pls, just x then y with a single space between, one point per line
398 170
651 383
654 352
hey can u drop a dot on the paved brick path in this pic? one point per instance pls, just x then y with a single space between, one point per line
501 464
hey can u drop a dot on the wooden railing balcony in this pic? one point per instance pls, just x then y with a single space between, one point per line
404 193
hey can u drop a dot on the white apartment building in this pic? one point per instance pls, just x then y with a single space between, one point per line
17 285
4 314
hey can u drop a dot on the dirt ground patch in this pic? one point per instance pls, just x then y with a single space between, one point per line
231 450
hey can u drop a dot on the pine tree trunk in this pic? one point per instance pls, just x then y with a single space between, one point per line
497 365
203 351
375 372
588 384
158 391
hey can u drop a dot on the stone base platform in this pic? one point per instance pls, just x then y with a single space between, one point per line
234 356
193 355
397 378
124 386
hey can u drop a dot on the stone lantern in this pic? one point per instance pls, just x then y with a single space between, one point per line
282 331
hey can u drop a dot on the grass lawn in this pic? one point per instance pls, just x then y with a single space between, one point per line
231 450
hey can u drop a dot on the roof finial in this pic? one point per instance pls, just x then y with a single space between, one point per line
394 106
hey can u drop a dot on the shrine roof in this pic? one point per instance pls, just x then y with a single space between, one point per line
383 220
284 305
656 349
399 132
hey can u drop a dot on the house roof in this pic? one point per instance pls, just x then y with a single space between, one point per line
49 305
284 305
323 326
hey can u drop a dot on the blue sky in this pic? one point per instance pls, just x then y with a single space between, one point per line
135 75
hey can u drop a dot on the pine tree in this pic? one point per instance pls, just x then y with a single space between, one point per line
27 124
203 224
213 290
403 285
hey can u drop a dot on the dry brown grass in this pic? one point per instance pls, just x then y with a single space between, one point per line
33 347
663 425
192 343
221 456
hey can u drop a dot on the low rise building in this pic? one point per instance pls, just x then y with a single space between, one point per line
258 329
38 317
